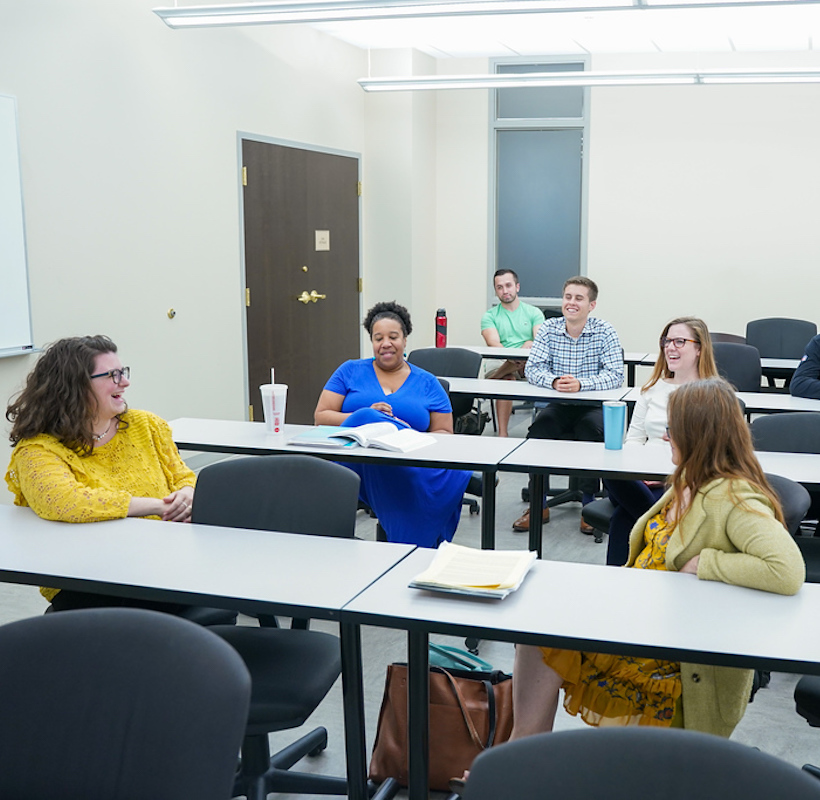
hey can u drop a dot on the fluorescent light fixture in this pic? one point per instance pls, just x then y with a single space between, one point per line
584 79
290 11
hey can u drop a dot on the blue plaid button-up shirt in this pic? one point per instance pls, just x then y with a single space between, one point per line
595 357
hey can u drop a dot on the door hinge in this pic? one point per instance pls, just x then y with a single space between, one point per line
244 176
359 188
360 285
247 297
250 413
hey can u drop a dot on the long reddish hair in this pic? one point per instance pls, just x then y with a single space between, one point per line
707 428
706 362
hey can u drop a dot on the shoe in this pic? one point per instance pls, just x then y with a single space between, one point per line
587 529
523 522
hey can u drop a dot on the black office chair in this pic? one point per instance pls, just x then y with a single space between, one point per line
291 670
727 337
739 364
453 362
795 433
807 704
118 704
639 762
779 337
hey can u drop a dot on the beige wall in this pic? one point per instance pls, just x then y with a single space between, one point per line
130 172
701 200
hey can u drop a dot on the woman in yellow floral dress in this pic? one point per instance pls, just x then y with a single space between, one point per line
719 520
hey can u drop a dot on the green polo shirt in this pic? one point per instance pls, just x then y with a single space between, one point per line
514 327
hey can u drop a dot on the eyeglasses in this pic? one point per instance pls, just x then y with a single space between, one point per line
679 342
116 375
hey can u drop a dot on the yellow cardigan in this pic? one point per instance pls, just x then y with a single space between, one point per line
58 484
734 530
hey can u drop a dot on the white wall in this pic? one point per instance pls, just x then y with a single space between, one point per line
130 174
400 195
701 200
462 279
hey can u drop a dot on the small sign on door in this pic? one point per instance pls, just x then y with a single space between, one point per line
322 240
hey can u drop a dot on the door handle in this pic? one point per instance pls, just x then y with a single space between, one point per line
311 298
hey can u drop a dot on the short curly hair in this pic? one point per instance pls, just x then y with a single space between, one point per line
390 310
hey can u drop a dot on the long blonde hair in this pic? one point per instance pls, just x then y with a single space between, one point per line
707 428
706 362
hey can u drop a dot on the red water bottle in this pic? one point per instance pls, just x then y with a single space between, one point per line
441 328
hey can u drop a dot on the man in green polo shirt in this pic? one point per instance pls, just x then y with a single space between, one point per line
511 323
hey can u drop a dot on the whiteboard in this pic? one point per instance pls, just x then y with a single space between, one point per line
15 309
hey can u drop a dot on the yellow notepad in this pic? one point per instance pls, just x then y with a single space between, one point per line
479 573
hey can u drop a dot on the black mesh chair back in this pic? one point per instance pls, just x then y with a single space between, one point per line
629 763
727 337
794 433
794 499
290 493
739 364
449 362
779 337
787 433
118 704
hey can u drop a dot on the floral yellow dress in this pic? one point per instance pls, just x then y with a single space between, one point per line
622 690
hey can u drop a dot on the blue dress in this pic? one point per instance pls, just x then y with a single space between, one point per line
415 505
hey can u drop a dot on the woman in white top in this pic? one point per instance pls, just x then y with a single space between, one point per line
685 355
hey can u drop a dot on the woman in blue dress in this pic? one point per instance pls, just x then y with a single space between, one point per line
415 505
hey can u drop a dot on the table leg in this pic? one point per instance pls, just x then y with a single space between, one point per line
536 511
418 713
353 703
488 511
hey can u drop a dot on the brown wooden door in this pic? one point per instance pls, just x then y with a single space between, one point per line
290 195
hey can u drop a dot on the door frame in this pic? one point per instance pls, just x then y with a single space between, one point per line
240 137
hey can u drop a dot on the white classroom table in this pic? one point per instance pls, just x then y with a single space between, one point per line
593 607
541 456
631 359
521 390
776 402
481 453
759 402
251 571
765 363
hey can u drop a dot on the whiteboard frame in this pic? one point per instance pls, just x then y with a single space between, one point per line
14 235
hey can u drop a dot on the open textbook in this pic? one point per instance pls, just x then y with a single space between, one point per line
381 435
479 573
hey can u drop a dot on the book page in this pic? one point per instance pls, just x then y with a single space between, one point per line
364 433
466 567
402 441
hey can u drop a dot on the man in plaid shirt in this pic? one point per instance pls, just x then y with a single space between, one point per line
574 353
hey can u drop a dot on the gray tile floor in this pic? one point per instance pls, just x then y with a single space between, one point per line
771 724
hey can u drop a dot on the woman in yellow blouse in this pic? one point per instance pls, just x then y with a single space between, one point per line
719 521
80 454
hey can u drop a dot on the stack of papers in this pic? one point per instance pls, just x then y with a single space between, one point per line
478 573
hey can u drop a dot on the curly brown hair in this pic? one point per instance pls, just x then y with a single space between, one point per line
391 310
57 397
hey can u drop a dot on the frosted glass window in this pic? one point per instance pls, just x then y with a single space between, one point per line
538 102
539 207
